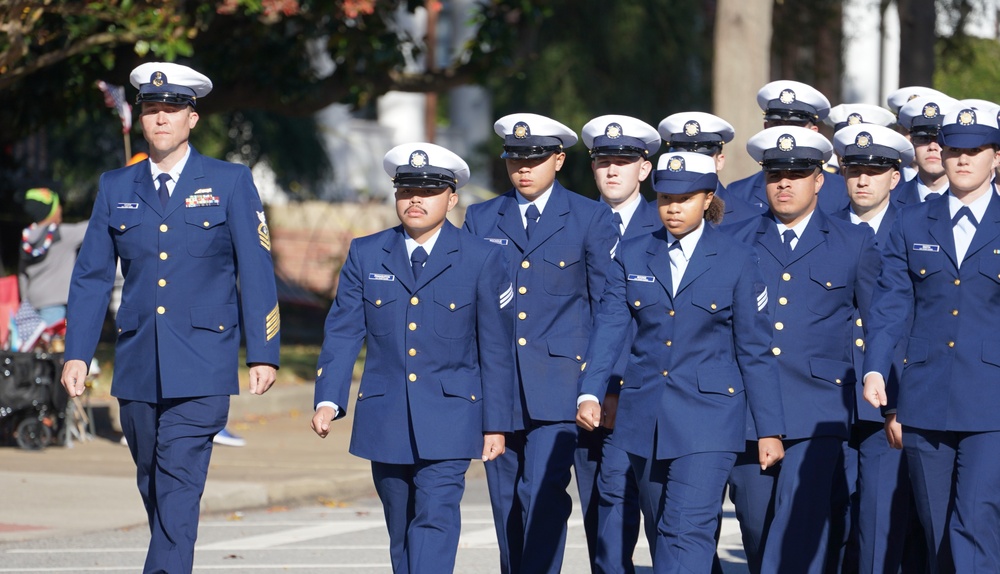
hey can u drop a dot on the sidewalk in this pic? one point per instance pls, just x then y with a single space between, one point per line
91 486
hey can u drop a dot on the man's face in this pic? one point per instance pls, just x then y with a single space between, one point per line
968 169
868 186
531 177
792 194
422 211
927 156
682 214
167 127
618 177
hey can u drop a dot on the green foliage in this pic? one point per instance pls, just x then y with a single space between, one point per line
968 68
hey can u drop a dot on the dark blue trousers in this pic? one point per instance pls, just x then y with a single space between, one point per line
421 503
751 491
171 444
617 511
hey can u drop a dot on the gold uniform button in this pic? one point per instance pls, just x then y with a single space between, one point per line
731 390
163 255
163 227
858 322
412 352
562 263
828 284
923 272
360 394
779 325
119 329
669 343
583 367
637 303
670 312
205 223
122 227
522 341
782 301
951 344
412 326
954 312
412 377
522 290
161 310
859 342
776 351
522 315
837 381
714 306
906 361
414 300
786 276
579 358
525 264
665 373
162 282
221 328
473 397
378 302
451 306
319 372
958 281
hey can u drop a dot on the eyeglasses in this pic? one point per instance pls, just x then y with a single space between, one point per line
922 139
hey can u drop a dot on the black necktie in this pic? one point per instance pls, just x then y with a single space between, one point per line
788 235
163 178
617 218
932 195
417 259
532 215
964 210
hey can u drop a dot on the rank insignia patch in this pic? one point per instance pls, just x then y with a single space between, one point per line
262 231
272 323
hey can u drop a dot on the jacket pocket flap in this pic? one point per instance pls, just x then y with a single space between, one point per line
127 320
462 387
205 217
836 372
720 380
828 276
215 318
562 255
712 300
371 387
569 347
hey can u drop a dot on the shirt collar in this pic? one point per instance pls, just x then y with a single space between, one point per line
977 207
175 172
689 241
923 190
797 228
875 222
627 211
411 243
523 203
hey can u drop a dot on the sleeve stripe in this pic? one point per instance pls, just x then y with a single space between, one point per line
507 296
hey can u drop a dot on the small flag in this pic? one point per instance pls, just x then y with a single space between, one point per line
114 97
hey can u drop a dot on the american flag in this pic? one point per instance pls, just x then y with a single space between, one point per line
114 97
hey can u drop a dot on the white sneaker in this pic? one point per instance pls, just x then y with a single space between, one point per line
227 438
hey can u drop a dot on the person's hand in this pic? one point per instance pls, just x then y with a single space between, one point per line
74 377
262 376
610 411
769 451
875 390
493 445
321 420
893 431
588 415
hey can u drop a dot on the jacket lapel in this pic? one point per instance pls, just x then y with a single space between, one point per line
659 261
441 258
701 260
988 228
190 180
511 223
941 227
145 190
396 262
553 218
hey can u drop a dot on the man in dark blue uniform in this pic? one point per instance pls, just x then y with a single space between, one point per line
558 247
902 96
699 132
789 103
819 272
620 147
921 118
938 291
435 306
887 532
178 223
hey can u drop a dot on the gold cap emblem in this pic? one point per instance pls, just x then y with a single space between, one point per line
863 140
418 159
854 119
692 128
966 117
676 163
931 110
158 79
787 96
521 130
786 142
613 131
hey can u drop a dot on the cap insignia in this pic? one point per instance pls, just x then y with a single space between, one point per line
854 119
913 96
692 128
966 117
931 110
787 96
863 140
676 163
158 79
786 142
418 159
521 130
613 131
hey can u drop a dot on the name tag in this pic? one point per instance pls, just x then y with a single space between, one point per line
642 278
381 277
497 240
128 206
926 247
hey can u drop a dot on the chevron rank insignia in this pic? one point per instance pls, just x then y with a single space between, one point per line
272 323
262 231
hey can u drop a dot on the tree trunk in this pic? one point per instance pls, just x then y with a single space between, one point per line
916 42
741 66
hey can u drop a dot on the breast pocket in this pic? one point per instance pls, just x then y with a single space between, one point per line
206 230
565 270
990 267
827 289
712 300
925 264
454 313
380 311
126 228
643 296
